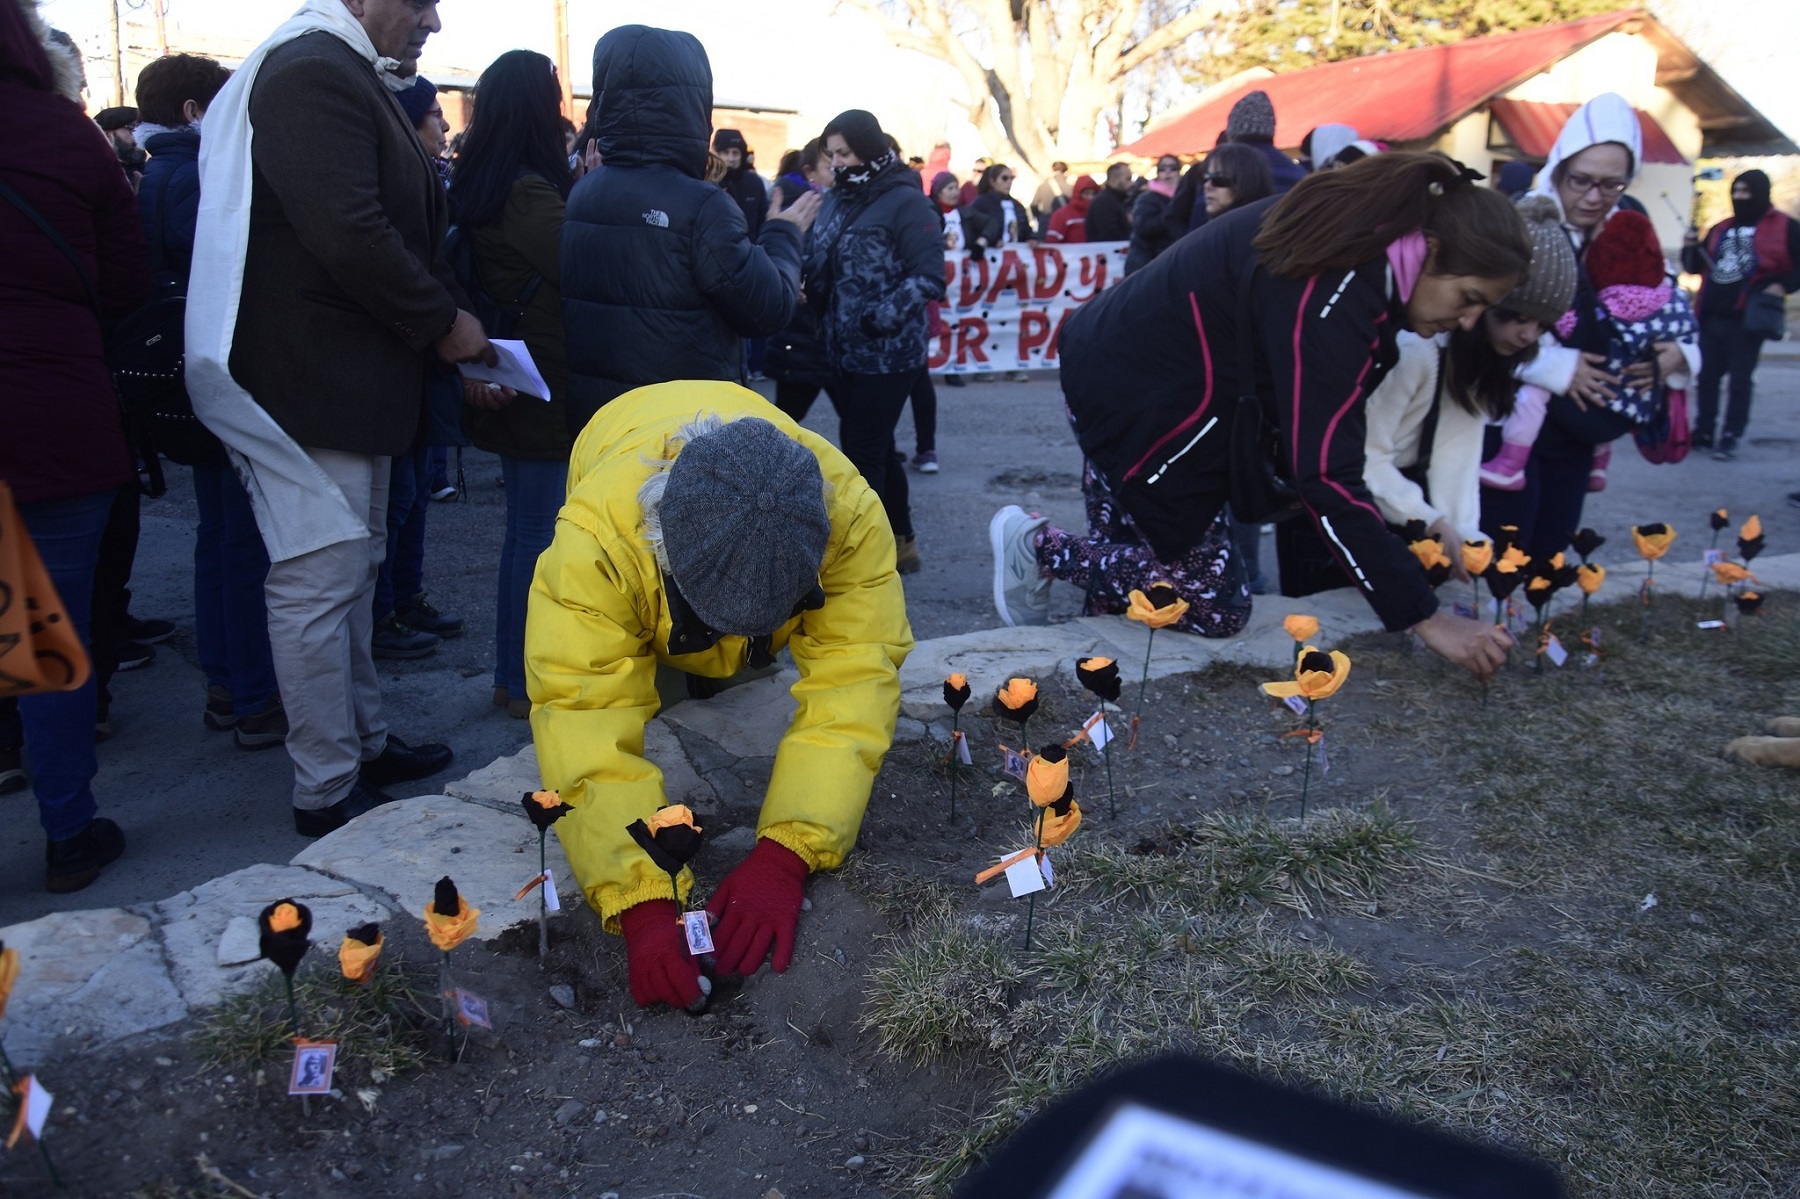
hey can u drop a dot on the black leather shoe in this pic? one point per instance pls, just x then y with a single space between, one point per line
72 864
402 763
419 613
316 822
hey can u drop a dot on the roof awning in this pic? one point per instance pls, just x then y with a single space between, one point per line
1533 126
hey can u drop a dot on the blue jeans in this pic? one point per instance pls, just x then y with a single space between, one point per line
402 574
59 727
534 495
231 619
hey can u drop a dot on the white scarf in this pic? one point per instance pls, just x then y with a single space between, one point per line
297 506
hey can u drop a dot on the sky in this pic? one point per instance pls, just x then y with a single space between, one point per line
809 55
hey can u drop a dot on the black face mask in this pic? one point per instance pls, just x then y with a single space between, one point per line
1751 210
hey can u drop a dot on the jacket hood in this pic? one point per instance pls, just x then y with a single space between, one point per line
655 91
1608 117
29 55
1082 183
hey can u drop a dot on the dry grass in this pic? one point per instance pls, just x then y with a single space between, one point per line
1648 1051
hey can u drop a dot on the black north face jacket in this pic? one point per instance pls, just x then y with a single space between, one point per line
660 279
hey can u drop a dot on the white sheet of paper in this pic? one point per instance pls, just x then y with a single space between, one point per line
515 370
1324 758
1710 624
1555 651
1048 870
37 1106
1024 877
551 902
962 752
1097 730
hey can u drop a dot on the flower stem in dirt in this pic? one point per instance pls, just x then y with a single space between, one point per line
1145 681
1037 848
1644 605
543 904
293 1008
955 765
1112 809
1312 728
449 1020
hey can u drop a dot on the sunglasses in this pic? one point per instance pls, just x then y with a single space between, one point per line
1003 178
1220 181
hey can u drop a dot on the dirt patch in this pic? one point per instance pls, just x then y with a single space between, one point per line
1456 933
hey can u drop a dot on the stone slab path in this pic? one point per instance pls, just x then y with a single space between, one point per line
100 976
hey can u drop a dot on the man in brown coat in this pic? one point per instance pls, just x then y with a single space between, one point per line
344 293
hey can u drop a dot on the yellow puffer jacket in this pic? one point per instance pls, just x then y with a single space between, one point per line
599 624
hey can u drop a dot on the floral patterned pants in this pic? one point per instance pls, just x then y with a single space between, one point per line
1113 560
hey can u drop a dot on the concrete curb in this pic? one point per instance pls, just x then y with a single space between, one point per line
99 976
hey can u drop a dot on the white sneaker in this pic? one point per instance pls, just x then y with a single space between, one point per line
1021 594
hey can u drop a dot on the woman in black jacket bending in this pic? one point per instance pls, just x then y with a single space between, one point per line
1327 276
874 260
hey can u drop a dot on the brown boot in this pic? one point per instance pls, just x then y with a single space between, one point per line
1766 751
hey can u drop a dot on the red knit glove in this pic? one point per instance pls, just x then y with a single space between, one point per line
656 955
757 906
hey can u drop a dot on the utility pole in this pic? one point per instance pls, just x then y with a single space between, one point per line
562 57
118 55
158 8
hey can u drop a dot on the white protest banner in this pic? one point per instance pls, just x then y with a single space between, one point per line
1005 311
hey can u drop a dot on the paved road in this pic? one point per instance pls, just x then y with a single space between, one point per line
195 806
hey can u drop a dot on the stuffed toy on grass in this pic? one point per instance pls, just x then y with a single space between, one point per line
1780 748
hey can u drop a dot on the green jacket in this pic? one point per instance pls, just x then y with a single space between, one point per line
527 240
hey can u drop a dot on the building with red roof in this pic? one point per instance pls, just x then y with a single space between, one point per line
1491 100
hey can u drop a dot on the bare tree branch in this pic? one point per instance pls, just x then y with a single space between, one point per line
1167 37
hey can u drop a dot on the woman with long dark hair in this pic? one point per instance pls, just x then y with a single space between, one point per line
1426 420
874 262
1307 293
510 183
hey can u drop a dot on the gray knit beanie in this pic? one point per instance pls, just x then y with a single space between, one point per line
744 526
1252 119
1549 288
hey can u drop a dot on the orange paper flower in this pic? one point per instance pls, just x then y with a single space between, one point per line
1054 829
674 815
1317 675
1047 776
1477 556
1730 572
449 918
1513 560
1752 529
1158 608
1301 628
1017 700
9 974
360 950
1653 541
1589 576
956 691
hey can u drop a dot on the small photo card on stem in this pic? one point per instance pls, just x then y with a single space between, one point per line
1016 762
697 927
471 1009
314 1064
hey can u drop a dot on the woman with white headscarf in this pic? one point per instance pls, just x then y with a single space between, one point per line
1588 170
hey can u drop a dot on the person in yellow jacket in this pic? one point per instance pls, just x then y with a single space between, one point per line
704 530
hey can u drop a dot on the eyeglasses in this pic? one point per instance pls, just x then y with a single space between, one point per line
1003 178
1612 189
1220 181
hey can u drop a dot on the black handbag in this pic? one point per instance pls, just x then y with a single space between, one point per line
1261 491
1765 316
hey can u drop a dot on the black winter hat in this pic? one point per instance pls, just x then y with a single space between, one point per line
729 139
861 131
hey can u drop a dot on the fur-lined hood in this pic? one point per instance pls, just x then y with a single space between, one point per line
17 60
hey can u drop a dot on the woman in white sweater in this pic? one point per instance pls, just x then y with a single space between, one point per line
1426 420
